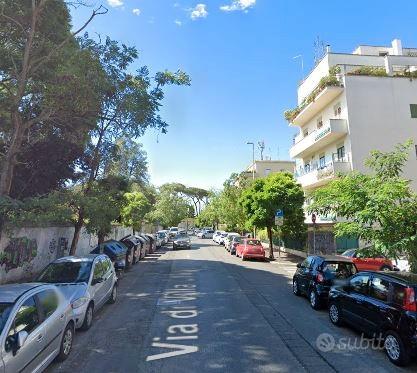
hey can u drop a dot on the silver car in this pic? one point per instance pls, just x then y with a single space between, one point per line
88 282
36 326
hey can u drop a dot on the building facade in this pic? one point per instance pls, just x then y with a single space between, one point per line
349 105
265 167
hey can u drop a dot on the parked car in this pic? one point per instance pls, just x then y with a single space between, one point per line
172 232
37 326
115 250
317 273
250 248
206 233
228 240
152 242
236 240
181 241
161 238
364 263
87 282
147 243
143 247
222 237
217 235
133 249
380 303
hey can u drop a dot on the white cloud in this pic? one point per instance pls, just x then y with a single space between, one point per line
200 11
115 3
178 23
238 5
136 11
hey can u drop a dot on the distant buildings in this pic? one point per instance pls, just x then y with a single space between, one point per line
265 167
349 105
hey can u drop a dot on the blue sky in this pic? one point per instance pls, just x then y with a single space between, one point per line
239 55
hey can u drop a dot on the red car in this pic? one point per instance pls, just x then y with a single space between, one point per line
379 263
250 248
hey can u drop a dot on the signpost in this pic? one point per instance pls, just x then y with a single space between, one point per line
279 221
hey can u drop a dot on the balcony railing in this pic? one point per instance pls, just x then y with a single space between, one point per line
316 140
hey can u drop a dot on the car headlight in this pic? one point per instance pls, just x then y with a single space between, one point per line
79 302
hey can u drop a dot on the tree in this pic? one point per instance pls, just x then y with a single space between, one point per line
170 209
135 208
45 78
210 216
130 105
379 208
265 196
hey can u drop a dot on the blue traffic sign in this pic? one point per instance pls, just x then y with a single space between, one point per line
279 213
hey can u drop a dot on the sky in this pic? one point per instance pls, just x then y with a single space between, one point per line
240 57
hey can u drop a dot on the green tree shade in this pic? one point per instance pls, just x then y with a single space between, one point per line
170 209
380 207
135 208
265 196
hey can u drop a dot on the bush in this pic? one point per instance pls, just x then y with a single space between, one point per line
369 71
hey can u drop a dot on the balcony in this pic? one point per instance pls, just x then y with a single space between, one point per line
324 98
334 130
319 176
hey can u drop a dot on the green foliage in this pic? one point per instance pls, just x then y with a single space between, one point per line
380 208
369 71
327 81
135 208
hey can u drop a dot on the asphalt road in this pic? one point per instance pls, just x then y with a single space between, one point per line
203 310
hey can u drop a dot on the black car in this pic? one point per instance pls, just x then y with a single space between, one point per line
380 304
317 273
134 246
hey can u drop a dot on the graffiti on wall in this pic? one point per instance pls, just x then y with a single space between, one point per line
18 252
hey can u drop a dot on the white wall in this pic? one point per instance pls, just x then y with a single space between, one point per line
380 118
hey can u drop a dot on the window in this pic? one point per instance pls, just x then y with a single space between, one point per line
383 54
307 167
98 270
341 153
337 110
48 301
359 284
319 123
379 289
398 294
305 133
27 318
413 110
267 171
106 265
322 161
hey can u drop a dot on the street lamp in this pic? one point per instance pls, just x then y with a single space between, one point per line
253 158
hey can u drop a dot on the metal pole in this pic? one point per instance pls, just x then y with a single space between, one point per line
314 239
253 158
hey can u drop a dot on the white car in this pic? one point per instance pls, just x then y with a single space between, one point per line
402 263
228 239
206 234
173 231
216 235
222 237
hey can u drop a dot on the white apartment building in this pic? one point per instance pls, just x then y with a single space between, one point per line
349 105
370 104
263 168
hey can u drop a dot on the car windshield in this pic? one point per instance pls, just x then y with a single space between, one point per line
161 235
181 236
253 242
349 253
67 272
338 269
5 309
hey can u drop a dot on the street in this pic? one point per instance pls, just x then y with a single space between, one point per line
204 310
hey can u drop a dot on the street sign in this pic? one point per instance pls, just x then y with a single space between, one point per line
279 220
279 214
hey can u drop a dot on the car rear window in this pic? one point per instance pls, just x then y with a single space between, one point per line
253 242
380 289
338 269
398 294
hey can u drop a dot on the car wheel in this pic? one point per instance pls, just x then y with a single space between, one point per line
334 314
295 288
203 236
174 247
385 268
113 296
314 299
66 343
395 349
88 317
243 258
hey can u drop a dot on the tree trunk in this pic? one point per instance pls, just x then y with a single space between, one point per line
271 246
101 237
78 226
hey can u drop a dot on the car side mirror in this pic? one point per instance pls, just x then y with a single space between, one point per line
299 265
22 336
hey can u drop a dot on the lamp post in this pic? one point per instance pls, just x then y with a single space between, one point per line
253 158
